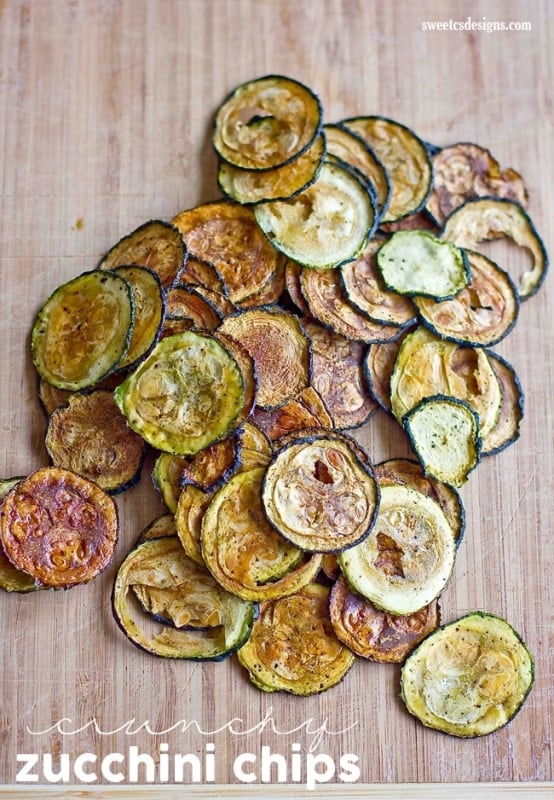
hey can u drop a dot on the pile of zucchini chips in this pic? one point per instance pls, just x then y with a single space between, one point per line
241 343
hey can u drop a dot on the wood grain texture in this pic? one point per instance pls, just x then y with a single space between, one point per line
105 116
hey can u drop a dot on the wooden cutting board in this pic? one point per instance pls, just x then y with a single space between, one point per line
105 116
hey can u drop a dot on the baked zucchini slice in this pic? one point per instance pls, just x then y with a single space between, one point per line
326 224
185 395
167 478
265 123
149 311
373 633
185 302
408 557
405 158
11 578
468 678
417 263
279 348
378 366
162 525
292 647
163 575
493 218
319 494
508 425
58 527
293 416
189 513
157 245
198 272
90 436
213 465
482 313
444 434
84 330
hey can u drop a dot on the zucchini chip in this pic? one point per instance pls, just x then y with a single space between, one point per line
186 395
326 224
266 123
149 311
319 494
466 171
201 273
58 527
293 648
51 397
180 589
468 678
418 263
157 245
279 348
166 477
405 158
420 221
493 218
243 551
364 288
227 235
256 449
426 366
482 314
90 436
84 329
292 285
185 302
281 183
373 633
189 513
444 434
11 578
378 366
293 416
507 428
213 465
328 304
162 525
337 376
407 559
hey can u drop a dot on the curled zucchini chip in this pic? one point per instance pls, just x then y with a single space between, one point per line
84 329
418 263
185 302
468 678
466 171
292 647
90 436
493 218
444 434
186 395
326 224
426 366
405 158
266 123
166 477
183 591
149 311
280 183
407 559
507 428
373 633
58 527
378 366
213 465
198 272
11 578
189 513
157 245
420 221
319 494
481 314
227 235
292 285
363 286
295 415
337 376
162 525
279 348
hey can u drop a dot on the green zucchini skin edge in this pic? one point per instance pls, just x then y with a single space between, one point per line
521 403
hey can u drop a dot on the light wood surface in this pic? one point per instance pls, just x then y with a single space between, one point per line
105 115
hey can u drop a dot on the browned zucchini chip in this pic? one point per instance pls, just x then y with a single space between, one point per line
270 292
167 478
466 171
378 366
12 579
162 525
227 235
212 466
208 623
493 218
249 373
426 365
348 147
373 633
189 513
279 348
328 305
280 183
324 225
407 559
186 395
292 284
51 397
184 302
364 288
303 412
149 310
256 447
337 376
292 647
420 221
218 299
59 527
508 425
319 494
481 314
330 567
201 273
244 553
313 402
90 436
157 245
266 123
405 159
